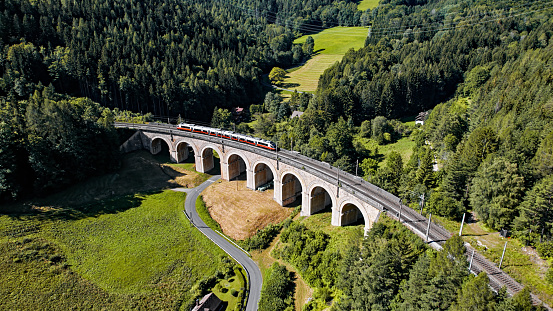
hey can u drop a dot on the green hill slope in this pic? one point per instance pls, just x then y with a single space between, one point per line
330 46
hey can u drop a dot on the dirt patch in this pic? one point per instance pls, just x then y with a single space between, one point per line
240 211
536 260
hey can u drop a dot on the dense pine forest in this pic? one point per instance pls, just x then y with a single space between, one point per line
483 71
61 61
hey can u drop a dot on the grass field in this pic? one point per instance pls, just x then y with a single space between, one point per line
330 46
133 252
140 172
367 4
403 146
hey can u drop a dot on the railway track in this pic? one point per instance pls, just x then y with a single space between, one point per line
363 190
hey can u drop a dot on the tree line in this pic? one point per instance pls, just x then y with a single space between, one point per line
48 142
488 87
166 58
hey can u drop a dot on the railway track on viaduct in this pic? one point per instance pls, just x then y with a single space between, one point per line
367 192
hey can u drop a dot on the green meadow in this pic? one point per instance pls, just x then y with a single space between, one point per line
131 252
367 4
330 46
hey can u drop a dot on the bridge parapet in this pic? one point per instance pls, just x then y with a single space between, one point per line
367 198
260 165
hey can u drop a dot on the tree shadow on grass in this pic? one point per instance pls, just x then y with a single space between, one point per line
289 85
141 173
317 52
95 209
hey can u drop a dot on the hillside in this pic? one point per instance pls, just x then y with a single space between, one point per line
330 46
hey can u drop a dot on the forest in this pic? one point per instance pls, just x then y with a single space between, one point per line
68 66
392 269
487 89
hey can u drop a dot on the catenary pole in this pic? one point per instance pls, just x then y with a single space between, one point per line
503 255
471 258
428 227
462 223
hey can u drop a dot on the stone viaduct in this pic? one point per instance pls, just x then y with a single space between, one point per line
290 183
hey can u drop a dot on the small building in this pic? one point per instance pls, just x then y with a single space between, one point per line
238 113
209 302
296 113
421 117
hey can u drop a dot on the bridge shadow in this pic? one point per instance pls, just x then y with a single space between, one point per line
294 204
242 177
216 170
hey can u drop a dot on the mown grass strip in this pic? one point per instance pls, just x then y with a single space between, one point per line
203 212
330 46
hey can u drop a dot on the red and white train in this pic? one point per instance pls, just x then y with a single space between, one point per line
230 135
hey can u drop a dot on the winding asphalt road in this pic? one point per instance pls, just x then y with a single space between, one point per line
255 280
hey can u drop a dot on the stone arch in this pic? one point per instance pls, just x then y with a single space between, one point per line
237 163
320 197
351 212
206 157
182 150
156 145
292 187
263 172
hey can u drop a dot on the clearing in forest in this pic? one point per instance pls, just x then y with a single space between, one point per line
367 4
330 46
241 211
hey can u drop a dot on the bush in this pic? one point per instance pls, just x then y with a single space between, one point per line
545 249
262 238
256 109
442 204
278 290
549 275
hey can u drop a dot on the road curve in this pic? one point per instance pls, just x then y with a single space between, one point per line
255 279
365 191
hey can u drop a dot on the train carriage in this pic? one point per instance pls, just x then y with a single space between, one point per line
230 135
